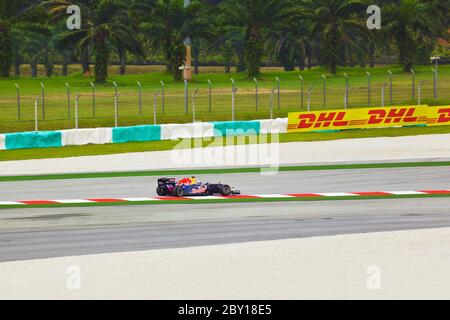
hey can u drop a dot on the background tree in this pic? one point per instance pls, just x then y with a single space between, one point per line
15 16
241 33
291 42
333 20
412 25
104 22
229 44
202 29
256 17
32 49
166 24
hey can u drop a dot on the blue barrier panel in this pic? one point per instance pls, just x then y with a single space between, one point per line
27 140
137 134
231 128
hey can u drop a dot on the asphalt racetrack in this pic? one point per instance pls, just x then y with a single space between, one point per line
32 233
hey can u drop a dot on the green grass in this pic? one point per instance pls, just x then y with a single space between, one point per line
169 173
150 77
212 201
73 151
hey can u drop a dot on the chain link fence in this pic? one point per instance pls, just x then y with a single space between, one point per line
170 104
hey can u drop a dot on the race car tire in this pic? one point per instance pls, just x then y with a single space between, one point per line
161 191
178 192
225 190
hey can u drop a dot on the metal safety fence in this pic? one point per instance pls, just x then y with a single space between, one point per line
93 106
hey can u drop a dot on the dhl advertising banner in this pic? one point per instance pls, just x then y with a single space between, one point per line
438 116
367 118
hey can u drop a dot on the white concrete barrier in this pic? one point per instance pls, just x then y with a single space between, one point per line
2 142
433 147
78 137
189 130
274 125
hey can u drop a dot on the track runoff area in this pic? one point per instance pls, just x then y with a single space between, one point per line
426 190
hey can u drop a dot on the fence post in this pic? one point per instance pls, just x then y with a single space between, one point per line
193 105
256 92
413 88
36 120
436 60
68 99
77 98
309 98
116 110
369 83
43 100
116 93
155 102
346 91
278 92
18 100
383 88
390 87
116 88
209 96
301 91
272 94
435 82
186 96
162 97
233 99
93 99
420 92
324 90
140 97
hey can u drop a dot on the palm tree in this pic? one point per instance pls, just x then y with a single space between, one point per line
31 50
412 24
256 17
229 46
442 9
104 22
201 30
165 25
334 20
48 51
291 43
14 15
65 53
123 49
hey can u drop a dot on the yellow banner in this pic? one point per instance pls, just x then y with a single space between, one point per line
438 116
368 118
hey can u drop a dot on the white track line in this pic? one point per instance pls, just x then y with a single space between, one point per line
404 193
139 199
70 201
207 198
337 194
9 203
273 196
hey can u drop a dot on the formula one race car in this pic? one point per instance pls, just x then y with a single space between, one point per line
190 187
